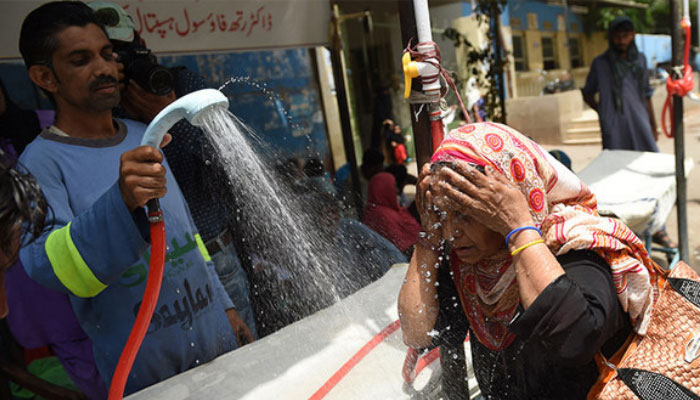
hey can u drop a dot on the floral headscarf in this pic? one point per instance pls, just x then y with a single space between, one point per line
564 209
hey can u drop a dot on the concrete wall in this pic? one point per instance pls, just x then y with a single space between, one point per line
550 17
533 21
476 34
594 45
544 118
591 46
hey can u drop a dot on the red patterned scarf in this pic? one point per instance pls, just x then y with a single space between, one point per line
564 209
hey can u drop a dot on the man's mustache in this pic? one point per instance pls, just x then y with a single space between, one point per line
102 80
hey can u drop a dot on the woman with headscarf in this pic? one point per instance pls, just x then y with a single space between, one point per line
544 282
384 215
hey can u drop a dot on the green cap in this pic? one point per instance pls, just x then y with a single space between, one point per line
117 22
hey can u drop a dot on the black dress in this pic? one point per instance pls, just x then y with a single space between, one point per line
557 336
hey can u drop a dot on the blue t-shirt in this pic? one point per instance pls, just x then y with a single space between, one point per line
98 252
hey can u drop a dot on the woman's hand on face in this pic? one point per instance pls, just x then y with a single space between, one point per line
489 197
424 203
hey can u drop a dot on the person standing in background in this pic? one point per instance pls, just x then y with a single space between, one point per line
621 79
625 112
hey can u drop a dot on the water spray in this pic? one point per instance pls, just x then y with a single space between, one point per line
191 107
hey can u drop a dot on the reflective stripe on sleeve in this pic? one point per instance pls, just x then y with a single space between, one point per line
69 266
202 247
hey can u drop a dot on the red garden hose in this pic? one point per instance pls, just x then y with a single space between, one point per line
413 364
148 305
437 131
679 87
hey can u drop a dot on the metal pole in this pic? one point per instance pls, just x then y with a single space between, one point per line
338 62
453 363
566 34
421 124
678 138
498 48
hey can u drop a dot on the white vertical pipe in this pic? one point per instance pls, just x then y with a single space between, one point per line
425 34
423 20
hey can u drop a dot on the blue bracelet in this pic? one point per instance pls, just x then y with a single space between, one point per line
522 228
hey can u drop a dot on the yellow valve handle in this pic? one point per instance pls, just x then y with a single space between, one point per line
410 71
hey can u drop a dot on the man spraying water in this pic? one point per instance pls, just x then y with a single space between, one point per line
97 179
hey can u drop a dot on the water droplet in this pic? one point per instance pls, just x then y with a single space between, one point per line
191 344
177 290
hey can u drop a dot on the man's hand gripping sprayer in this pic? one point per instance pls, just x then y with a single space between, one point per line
192 107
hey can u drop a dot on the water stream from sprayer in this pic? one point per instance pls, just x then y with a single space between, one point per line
296 129
290 250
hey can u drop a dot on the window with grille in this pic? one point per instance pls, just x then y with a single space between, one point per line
549 58
575 52
519 53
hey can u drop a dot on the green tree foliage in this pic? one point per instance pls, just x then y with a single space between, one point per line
486 12
655 18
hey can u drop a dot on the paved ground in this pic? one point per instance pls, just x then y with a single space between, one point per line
581 155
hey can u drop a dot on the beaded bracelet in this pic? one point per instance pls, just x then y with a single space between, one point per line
522 228
519 249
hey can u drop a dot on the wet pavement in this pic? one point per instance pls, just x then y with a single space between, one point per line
581 155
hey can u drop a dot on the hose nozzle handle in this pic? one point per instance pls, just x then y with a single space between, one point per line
155 214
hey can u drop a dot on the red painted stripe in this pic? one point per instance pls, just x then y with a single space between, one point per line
340 374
